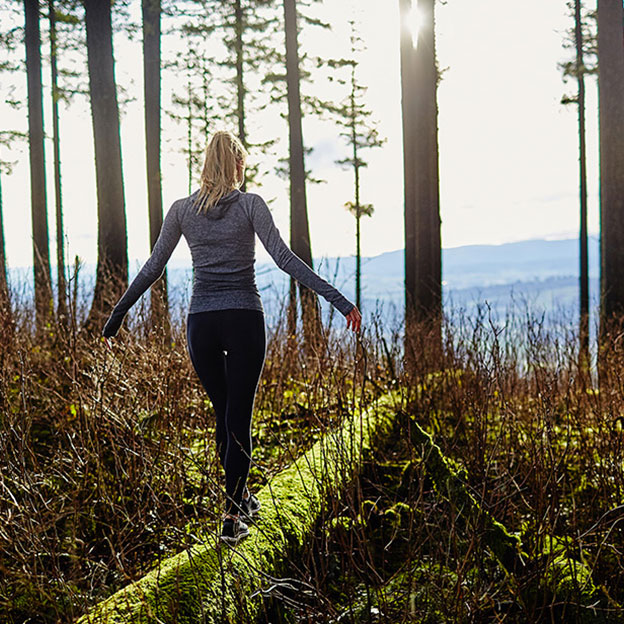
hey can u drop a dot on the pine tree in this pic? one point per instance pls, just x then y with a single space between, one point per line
577 69
41 252
199 110
423 279
10 63
151 82
249 26
289 70
360 135
60 237
299 227
112 266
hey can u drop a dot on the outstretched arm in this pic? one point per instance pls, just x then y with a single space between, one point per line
263 224
153 268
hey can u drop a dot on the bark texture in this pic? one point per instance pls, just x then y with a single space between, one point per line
423 254
112 265
611 132
41 252
151 89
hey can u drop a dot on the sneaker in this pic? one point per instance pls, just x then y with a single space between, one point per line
250 506
233 529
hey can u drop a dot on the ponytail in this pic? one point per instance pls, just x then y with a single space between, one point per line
219 174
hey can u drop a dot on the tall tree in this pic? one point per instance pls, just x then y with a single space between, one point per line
584 266
253 24
611 133
239 26
360 134
112 265
5 300
11 62
299 228
577 69
41 253
151 82
60 235
423 266
250 29
199 109
247 29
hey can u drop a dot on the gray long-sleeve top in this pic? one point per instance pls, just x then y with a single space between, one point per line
222 244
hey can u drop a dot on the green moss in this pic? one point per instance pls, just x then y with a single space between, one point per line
399 515
213 582
565 577
341 524
505 545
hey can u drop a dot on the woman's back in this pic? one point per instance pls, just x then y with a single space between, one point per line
222 245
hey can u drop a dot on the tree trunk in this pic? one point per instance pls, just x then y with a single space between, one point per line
151 84
611 109
206 90
423 266
189 133
41 253
299 229
7 324
358 263
240 85
584 270
112 266
60 234
356 171
5 299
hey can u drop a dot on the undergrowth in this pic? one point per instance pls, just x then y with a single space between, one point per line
108 461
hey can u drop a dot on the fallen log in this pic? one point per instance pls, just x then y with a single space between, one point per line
213 582
505 545
565 577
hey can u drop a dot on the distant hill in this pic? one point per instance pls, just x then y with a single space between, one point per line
544 272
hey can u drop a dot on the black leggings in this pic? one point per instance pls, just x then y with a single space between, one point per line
227 349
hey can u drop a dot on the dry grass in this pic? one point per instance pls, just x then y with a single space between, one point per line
539 444
108 458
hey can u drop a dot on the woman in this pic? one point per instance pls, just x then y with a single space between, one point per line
225 323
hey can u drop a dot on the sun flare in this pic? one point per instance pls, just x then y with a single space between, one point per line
413 22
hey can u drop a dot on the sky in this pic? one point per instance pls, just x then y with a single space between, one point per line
508 149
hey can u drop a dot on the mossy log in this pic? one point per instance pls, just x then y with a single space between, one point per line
213 582
564 576
505 545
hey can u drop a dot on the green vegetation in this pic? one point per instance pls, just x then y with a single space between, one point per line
207 583
496 495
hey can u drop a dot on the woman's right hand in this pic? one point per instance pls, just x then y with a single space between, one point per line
113 324
354 319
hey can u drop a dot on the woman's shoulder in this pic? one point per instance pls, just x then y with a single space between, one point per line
254 202
250 197
183 204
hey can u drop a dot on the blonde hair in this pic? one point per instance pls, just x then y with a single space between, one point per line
219 174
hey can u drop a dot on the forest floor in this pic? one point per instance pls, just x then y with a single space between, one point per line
109 462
